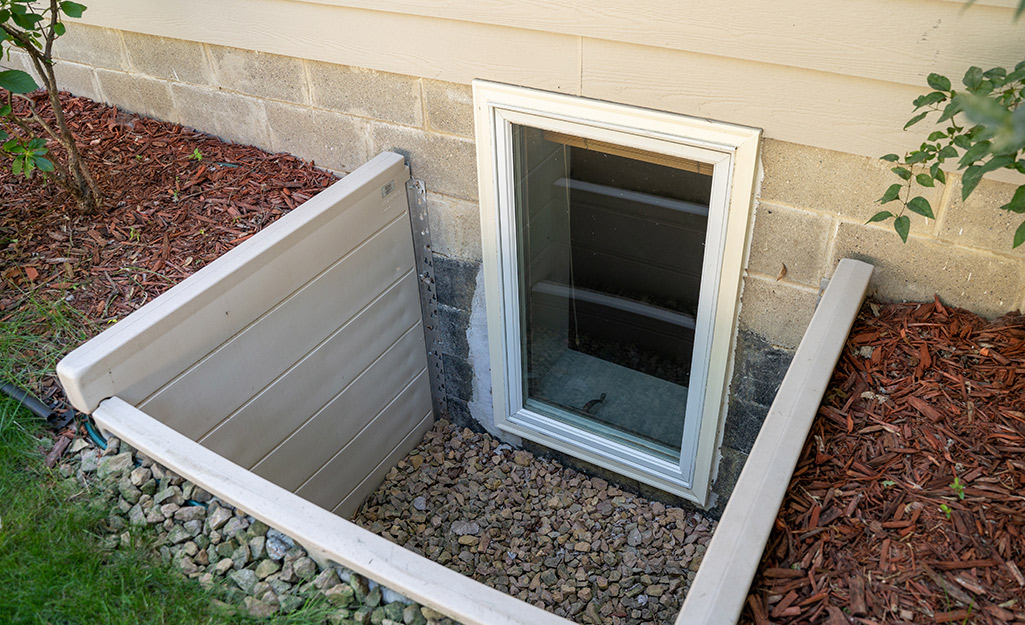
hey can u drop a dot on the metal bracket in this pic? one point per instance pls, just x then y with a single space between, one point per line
416 194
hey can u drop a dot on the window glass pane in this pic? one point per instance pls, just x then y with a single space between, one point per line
610 250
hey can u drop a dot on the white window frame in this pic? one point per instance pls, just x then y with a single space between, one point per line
732 150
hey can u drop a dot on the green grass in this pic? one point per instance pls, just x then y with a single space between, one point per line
34 335
53 567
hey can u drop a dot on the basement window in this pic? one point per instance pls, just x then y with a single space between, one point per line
613 244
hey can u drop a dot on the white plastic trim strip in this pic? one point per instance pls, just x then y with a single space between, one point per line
717 595
324 534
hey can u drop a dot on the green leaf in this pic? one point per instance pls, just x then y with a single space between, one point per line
936 135
902 225
974 154
72 9
3 135
963 142
940 175
917 156
1017 203
880 216
947 152
914 120
5 110
925 180
36 143
17 165
970 180
1019 236
4 15
939 82
17 81
44 164
58 30
921 206
27 21
892 193
973 77
930 98
893 158
903 172
950 110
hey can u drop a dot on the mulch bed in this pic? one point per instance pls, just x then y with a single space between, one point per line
908 502
165 215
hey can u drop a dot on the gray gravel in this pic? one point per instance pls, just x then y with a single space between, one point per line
265 572
571 544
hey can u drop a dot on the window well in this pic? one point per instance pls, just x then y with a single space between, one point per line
612 239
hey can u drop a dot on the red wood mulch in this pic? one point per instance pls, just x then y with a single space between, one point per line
165 215
927 404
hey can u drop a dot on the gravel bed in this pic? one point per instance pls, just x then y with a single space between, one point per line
568 543
264 572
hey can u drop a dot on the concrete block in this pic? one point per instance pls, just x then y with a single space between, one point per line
458 377
260 74
455 281
449 107
137 94
776 311
226 115
170 59
455 226
979 281
793 238
836 183
330 140
759 369
731 463
366 93
453 323
744 421
91 45
447 164
76 79
979 222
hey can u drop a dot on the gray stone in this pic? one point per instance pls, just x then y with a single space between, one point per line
326 579
110 465
276 545
390 596
258 609
217 517
90 460
193 527
140 475
190 513
245 579
267 567
411 615
339 595
241 556
223 566
462 528
305 568
136 516
178 534
256 546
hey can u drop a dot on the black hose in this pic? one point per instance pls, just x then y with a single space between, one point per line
37 407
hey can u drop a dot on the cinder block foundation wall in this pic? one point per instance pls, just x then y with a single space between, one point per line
810 210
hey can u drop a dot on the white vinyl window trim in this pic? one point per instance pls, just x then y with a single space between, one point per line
732 152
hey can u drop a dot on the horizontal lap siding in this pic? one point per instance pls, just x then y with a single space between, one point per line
834 74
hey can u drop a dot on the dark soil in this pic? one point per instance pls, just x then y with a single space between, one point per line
908 502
